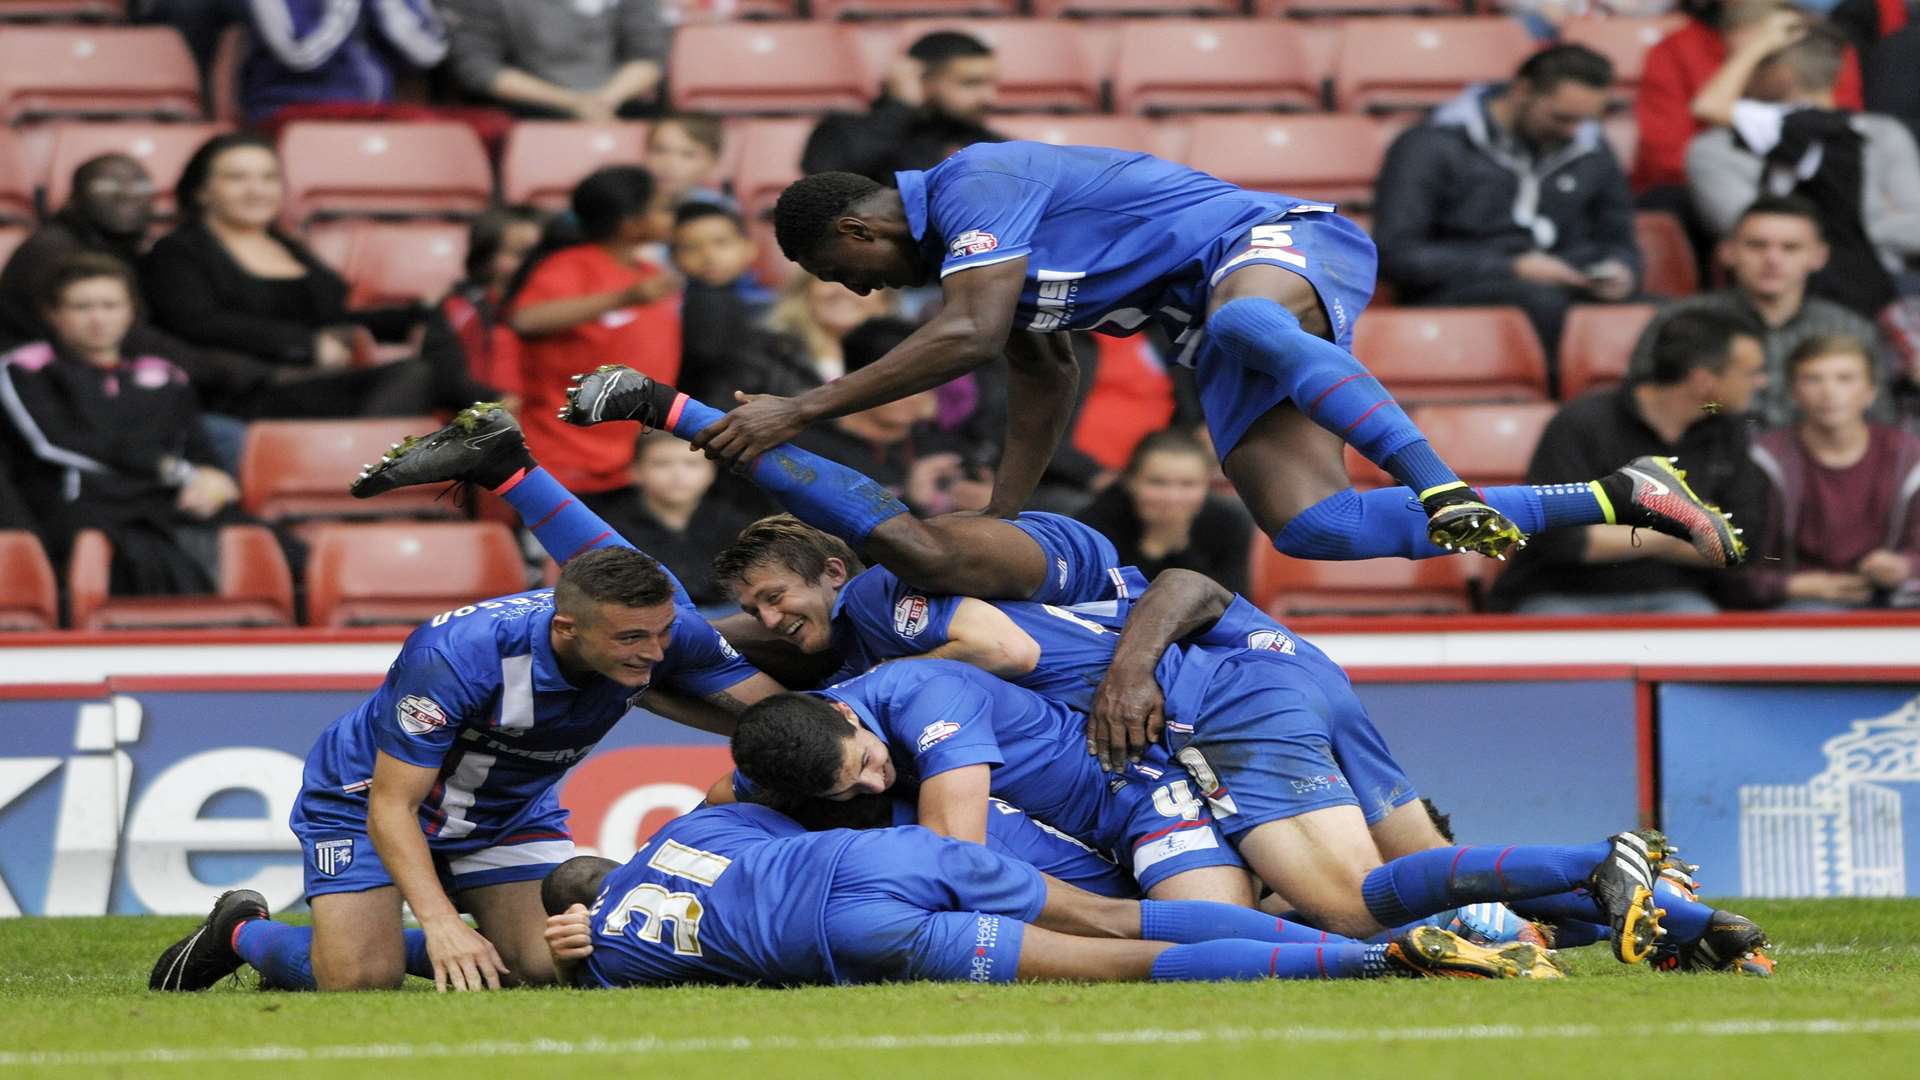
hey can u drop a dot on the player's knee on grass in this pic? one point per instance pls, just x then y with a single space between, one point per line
374 969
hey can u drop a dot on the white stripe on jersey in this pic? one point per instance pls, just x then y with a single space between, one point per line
457 799
516 692
494 858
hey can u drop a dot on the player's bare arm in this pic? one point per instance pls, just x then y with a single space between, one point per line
1126 716
1042 375
971 330
954 803
462 958
981 635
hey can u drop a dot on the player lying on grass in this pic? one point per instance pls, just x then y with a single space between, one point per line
439 790
1259 293
742 894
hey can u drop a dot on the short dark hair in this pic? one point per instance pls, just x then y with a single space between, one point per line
781 540
700 210
936 50
1830 345
703 128
1696 339
79 266
805 212
83 173
611 575
576 881
488 231
1555 64
793 745
610 195
872 340
199 168
1815 60
1782 206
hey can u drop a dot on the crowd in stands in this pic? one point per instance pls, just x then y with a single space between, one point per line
164 313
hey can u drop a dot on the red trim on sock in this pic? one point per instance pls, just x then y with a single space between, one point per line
510 482
1497 876
234 941
1319 957
1457 852
588 545
673 414
550 514
1363 416
1315 407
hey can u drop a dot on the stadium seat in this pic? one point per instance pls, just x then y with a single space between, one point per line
49 72
1286 587
867 9
16 186
1054 9
1401 64
1597 344
544 159
1166 139
347 169
1168 65
29 599
769 160
380 575
255 588
1623 40
1486 444
1046 65
292 470
1313 156
162 148
1313 9
798 67
1453 354
62 10
1622 133
396 262
1667 254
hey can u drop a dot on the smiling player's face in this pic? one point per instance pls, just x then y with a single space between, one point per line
789 605
620 643
867 768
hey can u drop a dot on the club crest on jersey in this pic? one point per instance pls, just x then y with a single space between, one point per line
726 647
910 616
936 733
1270 641
330 857
972 242
419 715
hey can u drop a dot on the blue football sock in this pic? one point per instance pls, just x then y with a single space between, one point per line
1218 961
418 962
562 524
1390 523
282 954
1562 505
1188 921
1573 934
1575 906
825 494
1323 380
1426 882
1685 920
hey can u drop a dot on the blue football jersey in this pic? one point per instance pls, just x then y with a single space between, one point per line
1113 240
478 694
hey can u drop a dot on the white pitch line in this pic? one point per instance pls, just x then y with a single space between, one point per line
161 1055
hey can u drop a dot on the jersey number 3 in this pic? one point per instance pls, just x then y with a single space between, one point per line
656 906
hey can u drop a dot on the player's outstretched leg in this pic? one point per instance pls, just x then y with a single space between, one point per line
1425 952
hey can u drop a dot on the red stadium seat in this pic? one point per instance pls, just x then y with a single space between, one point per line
1453 354
1285 586
394 262
298 469
1045 65
1399 64
1597 345
1486 444
1120 132
766 68
769 160
1051 9
1624 41
48 72
1312 156
1308 9
28 592
544 159
162 148
348 169
255 588
62 10
1668 255
1167 65
864 9
377 575
16 186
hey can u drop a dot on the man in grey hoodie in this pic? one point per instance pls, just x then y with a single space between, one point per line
1508 195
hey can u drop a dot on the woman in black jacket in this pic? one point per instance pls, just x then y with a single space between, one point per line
1161 515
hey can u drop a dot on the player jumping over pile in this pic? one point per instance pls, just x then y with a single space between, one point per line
1258 292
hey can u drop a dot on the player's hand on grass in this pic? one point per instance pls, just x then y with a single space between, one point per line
462 958
760 423
1126 717
569 937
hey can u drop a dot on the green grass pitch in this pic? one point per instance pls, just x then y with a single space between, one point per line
1845 1004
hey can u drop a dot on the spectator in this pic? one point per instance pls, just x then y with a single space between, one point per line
1161 515
229 278
683 153
582 299
678 524
1780 134
817 316
334 52
1509 195
724 303
1774 249
935 101
585 60
99 437
1843 523
1691 406
1886 35
498 241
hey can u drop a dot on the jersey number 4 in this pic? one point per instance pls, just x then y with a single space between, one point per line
657 906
